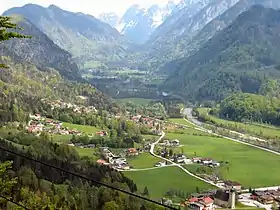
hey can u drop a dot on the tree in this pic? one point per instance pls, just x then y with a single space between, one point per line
146 192
111 205
6 183
5 24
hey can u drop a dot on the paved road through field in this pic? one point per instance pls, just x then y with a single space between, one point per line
178 165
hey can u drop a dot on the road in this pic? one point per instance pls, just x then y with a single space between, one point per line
145 169
175 164
188 112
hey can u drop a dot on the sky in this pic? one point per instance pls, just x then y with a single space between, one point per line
92 7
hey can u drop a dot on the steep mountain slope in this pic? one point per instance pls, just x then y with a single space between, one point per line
226 18
137 24
170 41
241 57
40 50
111 18
37 69
84 36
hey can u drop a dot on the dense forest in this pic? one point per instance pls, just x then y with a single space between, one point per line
37 186
251 107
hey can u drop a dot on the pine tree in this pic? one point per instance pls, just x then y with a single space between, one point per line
6 24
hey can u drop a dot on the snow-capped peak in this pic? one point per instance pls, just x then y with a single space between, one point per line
138 23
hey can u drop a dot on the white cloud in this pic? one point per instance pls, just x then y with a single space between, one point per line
93 7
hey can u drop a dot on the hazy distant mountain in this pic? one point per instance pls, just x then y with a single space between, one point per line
137 23
227 18
40 50
86 37
111 18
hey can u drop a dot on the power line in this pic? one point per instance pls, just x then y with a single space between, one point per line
10 200
86 178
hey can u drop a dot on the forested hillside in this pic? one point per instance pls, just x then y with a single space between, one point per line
250 107
39 50
241 58
36 69
38 186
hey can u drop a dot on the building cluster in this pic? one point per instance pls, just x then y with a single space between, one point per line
267 196
206 161
39 124
221 198
172 143
59 104
117 161
147 121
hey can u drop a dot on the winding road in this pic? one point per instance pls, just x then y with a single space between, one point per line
175 164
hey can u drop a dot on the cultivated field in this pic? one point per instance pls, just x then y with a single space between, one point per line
83 128
145 160
250 166
180 121
161 180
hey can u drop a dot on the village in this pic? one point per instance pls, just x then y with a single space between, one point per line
229 193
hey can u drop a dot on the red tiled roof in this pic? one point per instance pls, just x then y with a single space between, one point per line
131 150
207 200
101 161
191 200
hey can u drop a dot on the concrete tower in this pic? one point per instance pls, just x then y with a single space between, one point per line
232 198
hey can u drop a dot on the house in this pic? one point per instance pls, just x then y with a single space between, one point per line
181 159
101 162
101 133
166 142
90 146
206 161
232 185
175 142
204 203
215 164
160 164
196 159
265 199
132 151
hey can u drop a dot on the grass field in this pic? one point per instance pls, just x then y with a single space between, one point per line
262 130
83 128
145 160
161 180
180 121
89 152
138 101
250 166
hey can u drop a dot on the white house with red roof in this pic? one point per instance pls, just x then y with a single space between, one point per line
204 203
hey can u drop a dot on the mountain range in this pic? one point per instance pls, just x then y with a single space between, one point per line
38 68
137 23
84 36
241 58
196 44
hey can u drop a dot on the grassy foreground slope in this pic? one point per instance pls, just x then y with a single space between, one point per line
250 166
